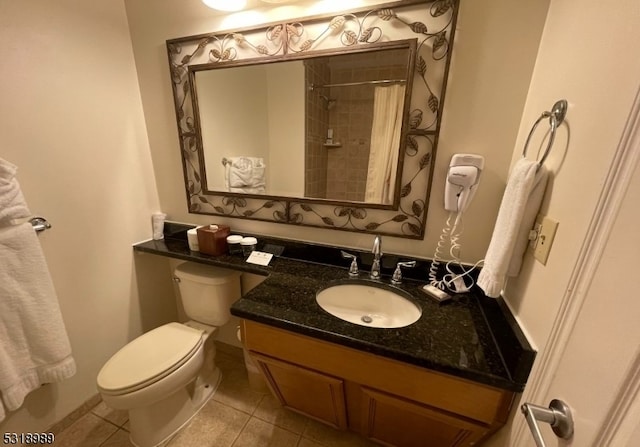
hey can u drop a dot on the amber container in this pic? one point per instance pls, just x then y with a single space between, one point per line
213 242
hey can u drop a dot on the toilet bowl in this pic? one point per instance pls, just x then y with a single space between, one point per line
165 376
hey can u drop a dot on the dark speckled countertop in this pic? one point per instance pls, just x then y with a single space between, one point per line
470 336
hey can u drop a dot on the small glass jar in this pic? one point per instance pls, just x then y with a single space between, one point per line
248 245
233 243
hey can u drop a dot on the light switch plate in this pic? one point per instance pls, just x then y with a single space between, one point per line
546 234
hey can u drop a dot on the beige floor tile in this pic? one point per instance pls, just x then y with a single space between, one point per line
118 417
216 425
330 437
258 433
118 439
234 391
88 431
270 410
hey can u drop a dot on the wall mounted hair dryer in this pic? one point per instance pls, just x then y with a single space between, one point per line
462 181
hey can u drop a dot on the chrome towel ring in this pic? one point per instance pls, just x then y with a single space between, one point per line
556 117
39 224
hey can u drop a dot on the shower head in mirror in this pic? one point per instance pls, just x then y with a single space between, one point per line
330 103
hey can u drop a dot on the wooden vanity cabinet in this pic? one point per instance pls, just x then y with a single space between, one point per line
392 420
387 401
308 392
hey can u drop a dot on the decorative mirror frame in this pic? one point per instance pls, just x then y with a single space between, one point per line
431 22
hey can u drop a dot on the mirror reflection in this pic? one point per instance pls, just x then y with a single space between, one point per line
326 127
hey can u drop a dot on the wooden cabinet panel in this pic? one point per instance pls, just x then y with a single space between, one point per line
454 395
308 392
395 421
390 402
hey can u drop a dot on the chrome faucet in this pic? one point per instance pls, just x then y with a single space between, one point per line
377 254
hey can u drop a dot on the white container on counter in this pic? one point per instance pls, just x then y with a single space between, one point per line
192 238
233 243
248 245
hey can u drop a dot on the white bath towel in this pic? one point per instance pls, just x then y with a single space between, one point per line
12 204
245 174
34 346
520 204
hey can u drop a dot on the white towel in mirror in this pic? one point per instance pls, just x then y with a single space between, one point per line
245 174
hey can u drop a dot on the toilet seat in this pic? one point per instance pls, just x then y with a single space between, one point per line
149 358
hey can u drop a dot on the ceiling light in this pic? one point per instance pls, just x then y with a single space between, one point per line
226 5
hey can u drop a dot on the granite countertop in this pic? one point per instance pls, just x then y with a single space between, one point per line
470 336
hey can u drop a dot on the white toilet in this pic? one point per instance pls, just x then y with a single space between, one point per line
165 376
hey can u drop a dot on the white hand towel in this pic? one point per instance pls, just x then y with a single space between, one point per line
246 172
240 173
520 204
34 346
12 204
257 177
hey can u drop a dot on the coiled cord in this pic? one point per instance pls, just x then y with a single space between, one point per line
445 237
451 281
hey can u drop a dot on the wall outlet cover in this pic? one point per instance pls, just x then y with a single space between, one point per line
546 234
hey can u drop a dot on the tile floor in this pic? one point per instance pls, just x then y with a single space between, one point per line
236 416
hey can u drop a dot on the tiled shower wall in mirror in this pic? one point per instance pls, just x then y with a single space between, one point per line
340 172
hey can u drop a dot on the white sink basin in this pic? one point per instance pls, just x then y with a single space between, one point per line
368 305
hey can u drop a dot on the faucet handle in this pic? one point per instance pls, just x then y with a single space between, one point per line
397 274
353 268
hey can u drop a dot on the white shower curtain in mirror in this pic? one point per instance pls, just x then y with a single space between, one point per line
385 135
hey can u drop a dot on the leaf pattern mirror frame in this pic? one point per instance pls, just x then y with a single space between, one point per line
432 23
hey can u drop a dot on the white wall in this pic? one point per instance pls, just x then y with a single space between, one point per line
495 49
71 120
595 72
592 64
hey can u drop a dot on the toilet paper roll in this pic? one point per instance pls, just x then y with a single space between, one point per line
192 238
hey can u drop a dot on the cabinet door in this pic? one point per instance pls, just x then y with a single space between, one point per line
399 422
308 392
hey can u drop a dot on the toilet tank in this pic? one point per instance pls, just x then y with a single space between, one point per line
207 292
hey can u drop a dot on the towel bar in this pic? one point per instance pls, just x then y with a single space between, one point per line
39 224
556 117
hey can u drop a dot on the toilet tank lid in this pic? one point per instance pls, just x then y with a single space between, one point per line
149 356
205 274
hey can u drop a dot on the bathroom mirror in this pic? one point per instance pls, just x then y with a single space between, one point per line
312 124
310 88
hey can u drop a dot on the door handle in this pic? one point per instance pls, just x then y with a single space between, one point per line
558 415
